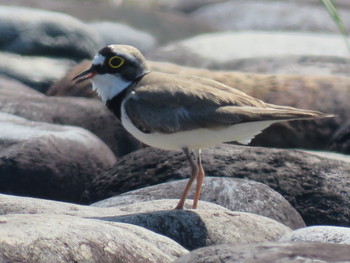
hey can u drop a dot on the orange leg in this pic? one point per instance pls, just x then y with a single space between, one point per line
194 174
200 179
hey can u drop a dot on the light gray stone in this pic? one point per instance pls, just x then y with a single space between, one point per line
281 252
273 16
58 238
217 50
233 193
29 31
320 234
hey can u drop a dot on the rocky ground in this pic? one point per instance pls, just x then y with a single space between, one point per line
76 187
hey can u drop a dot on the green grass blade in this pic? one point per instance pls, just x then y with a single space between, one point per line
332 10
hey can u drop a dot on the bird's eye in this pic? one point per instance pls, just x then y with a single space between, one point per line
116 62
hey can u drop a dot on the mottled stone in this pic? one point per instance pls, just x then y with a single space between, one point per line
57 238
203 227
235 194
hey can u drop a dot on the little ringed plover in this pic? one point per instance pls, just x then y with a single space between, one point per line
180 112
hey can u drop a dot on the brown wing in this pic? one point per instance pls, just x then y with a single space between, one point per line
169 103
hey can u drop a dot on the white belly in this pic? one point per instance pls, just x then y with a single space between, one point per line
198 138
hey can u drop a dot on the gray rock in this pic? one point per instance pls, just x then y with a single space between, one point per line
235 194
318 188
37 72
39 32
320 234
86 113
47 160
198 228
117 33
58 238
10 204
270 253
217 50
273 16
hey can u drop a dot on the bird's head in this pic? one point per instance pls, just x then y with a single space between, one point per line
113 69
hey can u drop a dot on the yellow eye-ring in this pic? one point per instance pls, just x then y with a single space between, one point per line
116 62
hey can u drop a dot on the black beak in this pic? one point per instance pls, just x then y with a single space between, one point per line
87 74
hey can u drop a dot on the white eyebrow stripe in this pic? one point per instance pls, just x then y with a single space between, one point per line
98 60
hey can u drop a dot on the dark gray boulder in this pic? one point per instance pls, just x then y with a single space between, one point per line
49 161
340 141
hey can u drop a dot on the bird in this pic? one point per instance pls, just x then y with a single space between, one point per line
180 112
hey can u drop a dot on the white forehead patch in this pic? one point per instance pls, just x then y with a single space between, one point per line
98 60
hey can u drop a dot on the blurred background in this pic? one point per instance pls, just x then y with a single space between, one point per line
292 48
